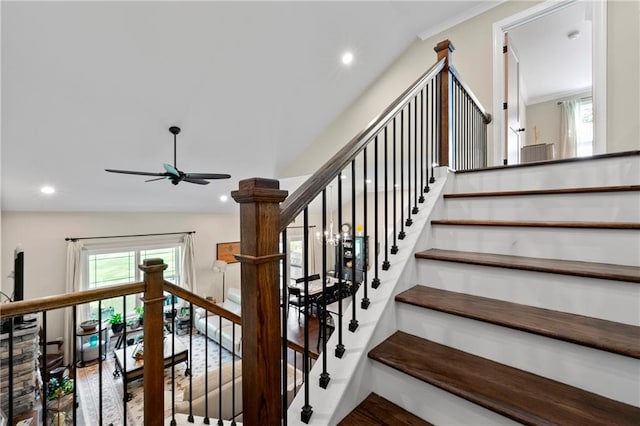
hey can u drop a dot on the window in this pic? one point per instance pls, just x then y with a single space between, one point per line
584 128
107 267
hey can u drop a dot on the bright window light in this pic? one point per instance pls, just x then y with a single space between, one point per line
347 58
47 190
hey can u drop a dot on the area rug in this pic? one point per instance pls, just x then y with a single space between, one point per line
87 385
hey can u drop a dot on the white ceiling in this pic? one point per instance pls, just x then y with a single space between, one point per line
94 85
551 64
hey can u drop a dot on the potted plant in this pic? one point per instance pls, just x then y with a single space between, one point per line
116 321
140 311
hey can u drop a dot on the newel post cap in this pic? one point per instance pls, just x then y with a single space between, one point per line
259 190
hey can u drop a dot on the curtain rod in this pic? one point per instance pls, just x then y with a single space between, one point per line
299 227
584 98
127 236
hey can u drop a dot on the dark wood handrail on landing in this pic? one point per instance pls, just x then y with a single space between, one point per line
58 301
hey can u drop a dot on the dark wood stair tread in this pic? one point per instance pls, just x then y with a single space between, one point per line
606 271
537 224
514 393
378 411
552 191
622 339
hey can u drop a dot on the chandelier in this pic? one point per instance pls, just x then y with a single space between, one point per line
331 238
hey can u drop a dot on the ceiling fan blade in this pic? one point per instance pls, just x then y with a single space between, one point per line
198 181
130 172
155 179
207 175
171 170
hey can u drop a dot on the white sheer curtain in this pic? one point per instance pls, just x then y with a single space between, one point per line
73 284
189 265
568 129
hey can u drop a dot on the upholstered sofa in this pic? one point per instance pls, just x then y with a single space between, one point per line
294 382
210 324
198 393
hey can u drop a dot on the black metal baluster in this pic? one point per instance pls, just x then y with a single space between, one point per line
285 314
437 134
173 359
394 247
457 139
428 124
324 376
339 352
233 375
434 129
100 407
409 221
206 420
401 234
45 373
74 348
415 153
386 264
190 416
422 138
375 283
124 337
364 303
206 386
353 324
307 410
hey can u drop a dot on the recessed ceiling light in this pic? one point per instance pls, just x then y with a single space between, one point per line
224 198
47 190
347 58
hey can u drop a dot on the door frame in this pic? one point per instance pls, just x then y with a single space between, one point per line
598 74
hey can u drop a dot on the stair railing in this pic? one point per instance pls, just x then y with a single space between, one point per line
159 327
380 177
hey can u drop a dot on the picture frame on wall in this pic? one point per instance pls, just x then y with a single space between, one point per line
226 251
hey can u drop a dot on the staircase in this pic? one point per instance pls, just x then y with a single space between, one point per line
527 306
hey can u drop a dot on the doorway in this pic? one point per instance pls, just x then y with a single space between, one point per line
530 77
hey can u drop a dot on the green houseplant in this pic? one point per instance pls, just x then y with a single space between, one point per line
140 311
116 321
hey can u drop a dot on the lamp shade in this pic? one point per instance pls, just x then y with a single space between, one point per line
219 266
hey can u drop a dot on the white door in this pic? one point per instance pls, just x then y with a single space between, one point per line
512 127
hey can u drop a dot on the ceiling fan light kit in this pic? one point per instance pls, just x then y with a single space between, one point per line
172 173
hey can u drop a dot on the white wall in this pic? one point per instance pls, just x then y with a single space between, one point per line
473 59
42 236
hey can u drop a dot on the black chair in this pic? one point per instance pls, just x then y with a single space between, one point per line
297 299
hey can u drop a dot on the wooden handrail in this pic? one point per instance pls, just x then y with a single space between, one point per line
202 302
58 301
310 189
465 86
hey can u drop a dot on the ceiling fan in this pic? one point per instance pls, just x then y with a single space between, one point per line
172 173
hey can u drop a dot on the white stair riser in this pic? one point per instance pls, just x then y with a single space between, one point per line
605 299
429 402
596 207
604 172
617 246
604 373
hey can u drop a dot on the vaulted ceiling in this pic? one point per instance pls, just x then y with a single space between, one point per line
94 85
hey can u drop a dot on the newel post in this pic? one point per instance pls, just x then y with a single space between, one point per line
259 201
153 369
444 49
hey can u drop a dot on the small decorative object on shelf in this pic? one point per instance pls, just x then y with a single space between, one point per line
89 325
